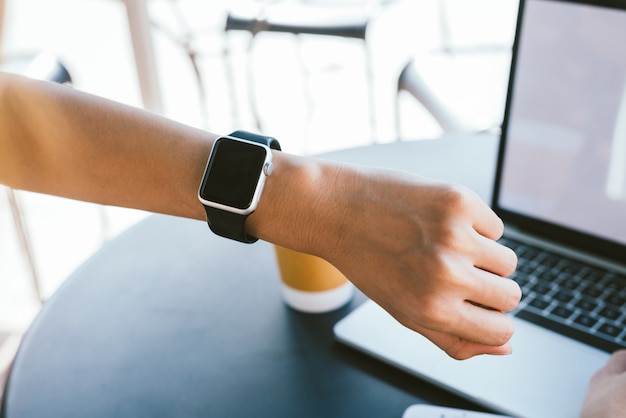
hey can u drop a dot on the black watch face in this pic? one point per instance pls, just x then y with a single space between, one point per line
233 173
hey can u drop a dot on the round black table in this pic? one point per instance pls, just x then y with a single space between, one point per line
168 320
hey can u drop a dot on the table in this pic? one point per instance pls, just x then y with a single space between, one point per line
168 320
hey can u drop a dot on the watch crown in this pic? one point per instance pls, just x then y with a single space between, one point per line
267 168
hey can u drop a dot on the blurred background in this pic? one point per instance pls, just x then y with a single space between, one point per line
360 71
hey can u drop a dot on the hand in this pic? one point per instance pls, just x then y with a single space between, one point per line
606 396
423 250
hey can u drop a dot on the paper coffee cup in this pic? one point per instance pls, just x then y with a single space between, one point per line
311 284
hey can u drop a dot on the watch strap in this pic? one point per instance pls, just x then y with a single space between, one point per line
233 225
261 139
228 224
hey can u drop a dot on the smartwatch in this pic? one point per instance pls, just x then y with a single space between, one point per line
233 181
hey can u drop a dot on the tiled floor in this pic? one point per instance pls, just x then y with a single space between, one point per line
311 93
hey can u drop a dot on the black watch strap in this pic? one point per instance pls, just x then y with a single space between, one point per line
233 225
261 139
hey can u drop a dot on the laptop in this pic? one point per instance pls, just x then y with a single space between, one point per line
560 187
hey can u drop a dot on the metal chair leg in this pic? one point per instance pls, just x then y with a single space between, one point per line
25 241
411 81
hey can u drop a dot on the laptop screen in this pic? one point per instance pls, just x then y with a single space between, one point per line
562 162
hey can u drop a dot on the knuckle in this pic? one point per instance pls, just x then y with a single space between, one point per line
454 197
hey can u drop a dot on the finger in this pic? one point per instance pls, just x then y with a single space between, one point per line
483 326
494 257
616 363
493 291
485 220
462 349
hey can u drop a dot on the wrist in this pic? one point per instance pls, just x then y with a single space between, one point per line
296 205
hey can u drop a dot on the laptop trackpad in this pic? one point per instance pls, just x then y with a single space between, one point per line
546 376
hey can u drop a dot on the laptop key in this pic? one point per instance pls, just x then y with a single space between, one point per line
541 288
610 329
585 321
592 291
550 276
614 283
563 296
562 312
592 276
521 279
598 340
610 313
551 260
539 304
571 282
617 300
585 304
524 268
572 268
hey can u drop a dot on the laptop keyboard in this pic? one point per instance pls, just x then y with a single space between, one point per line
580 301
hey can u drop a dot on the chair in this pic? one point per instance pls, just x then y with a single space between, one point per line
23 236
411 82
143 48
485 52
350 20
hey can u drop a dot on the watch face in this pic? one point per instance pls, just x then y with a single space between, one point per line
233 173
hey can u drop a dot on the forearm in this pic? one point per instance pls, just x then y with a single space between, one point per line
59 141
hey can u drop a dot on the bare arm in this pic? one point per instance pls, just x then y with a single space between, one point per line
423 250
59 141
